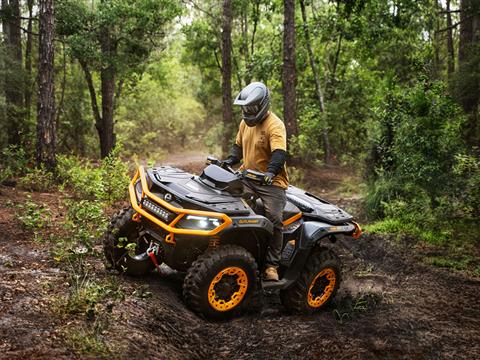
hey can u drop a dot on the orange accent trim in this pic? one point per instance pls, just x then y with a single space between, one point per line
170 239
318 301
136 217
358 231
236 298
292 219
180 211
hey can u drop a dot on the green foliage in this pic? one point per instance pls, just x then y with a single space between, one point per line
94 300
467 195
37 179
33 216
161 115
423 183
418 138
83 224
133 25
107 182
14 162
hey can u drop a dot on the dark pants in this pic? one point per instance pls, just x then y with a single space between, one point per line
274 199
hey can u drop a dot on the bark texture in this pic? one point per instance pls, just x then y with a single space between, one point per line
450 48
46 141
28 61
468 88
227 111
289 75
107 77
13 76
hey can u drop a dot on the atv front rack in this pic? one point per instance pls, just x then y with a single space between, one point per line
181 212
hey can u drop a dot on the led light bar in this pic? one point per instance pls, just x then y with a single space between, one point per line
163 214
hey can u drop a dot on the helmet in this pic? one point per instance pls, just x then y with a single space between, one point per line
255 101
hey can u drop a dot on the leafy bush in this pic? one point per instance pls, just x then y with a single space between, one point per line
33 216
467 175
14 162
37 179
423 183
415 150
107 182
84 223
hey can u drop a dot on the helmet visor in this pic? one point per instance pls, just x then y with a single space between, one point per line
251 109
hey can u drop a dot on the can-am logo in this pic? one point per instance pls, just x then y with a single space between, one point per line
168 197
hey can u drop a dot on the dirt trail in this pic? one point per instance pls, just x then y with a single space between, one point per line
390 306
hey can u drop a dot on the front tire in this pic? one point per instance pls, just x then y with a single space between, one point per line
221 282
317 284
121 232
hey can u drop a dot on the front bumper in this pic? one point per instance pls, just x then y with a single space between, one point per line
170 227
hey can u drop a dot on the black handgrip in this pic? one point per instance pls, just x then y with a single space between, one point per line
253 175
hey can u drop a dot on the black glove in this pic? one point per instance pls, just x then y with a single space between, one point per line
267 179
231 161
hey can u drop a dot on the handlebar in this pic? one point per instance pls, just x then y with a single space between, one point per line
252 175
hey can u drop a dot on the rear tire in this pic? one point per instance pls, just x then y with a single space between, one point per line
221 282
317 284
122 231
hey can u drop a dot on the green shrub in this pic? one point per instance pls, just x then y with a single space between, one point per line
32 215
37 179
422 181
105 182
13 162
84 223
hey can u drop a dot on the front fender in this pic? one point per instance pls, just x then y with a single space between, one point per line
314 231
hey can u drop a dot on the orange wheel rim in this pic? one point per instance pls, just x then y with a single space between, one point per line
228 300
316 299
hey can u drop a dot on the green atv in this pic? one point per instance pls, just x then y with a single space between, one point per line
204 226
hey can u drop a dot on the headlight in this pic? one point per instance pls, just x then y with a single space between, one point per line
199 222
138 189
159 211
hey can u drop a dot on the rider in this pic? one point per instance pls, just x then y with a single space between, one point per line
262 143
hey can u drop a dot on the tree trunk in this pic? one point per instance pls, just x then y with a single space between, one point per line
13 75
318 87
46 89
28 61
289 70
245 49
227 113
107 79
450 48
63 86
468 66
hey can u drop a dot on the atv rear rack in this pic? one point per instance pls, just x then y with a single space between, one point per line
170 227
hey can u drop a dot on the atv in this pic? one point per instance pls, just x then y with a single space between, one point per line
207 227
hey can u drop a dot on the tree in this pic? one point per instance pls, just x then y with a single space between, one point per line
318 86
450 47
114 40
11 23
468 78
227 111
289 75
46 91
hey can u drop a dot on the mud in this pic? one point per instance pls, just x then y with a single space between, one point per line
390 306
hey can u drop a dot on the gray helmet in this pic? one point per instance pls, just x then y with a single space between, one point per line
255 101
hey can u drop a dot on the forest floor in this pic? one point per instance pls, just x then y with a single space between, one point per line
391 303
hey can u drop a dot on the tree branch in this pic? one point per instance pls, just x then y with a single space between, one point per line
195 5
456 24
93 95
216 59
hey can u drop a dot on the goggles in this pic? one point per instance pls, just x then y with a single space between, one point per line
251 109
